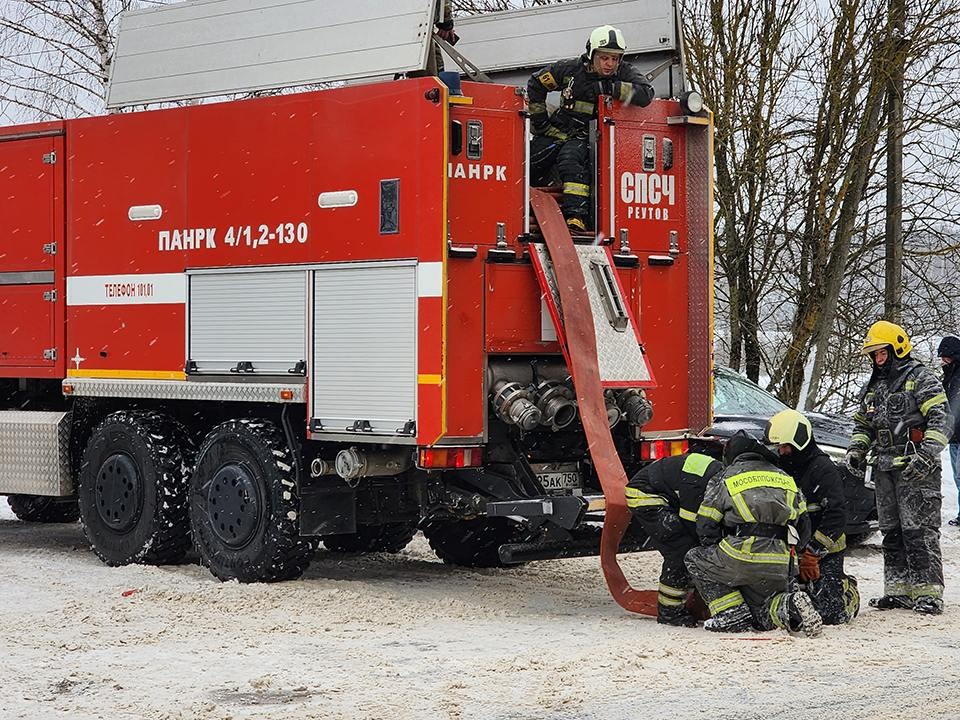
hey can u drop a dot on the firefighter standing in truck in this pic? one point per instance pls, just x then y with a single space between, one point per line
664 497
562 139
751 514
904 423
834 593
444 30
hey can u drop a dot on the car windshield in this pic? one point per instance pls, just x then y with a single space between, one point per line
735 395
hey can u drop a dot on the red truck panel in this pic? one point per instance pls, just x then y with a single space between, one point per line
239 185
26 329
31 277
485 190
651 202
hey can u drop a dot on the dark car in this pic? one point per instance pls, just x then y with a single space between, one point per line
740 404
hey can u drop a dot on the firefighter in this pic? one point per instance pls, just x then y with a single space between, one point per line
949 354
561 139
444 31
664 497
834 593
751 515
904 422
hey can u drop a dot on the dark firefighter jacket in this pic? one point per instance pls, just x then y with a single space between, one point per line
901 396
752 493
665 495
580 89
950 347
822 486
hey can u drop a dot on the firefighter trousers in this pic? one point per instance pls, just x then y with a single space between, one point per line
725 582
572 161
835 594
909 519
675 583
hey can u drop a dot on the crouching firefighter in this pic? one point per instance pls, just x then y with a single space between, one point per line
904 420
751 515
664 497
834 593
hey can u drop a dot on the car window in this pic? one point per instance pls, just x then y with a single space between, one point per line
733 395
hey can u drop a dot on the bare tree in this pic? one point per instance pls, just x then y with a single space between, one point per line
56 55
739 56
799 195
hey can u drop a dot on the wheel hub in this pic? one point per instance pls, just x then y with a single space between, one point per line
234 505
119 492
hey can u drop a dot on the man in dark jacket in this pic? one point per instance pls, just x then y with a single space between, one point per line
664 497
949 352
561 139
751 515
834 593
904 421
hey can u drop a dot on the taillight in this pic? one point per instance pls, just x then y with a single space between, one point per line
433 458
656 449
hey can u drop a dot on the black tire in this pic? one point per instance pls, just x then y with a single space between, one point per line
43 509
472 543
132 489
389 538
244 507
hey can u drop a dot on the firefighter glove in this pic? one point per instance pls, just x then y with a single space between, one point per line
809 566
449 35
855 462
918 466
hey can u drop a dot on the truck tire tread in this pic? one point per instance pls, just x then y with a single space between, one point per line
277 551
43 509
162 533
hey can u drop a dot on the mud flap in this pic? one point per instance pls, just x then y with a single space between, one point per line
579 340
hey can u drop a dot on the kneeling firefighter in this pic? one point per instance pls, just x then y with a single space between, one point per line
834 593
751 515
664 497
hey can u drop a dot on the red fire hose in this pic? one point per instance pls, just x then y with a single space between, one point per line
582 349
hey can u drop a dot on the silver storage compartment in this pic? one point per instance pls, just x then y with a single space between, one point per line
364 367
35 453
248 323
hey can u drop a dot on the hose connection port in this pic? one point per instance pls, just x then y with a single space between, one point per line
635 406
557 404
514 404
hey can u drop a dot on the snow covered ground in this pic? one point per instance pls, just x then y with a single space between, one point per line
407 637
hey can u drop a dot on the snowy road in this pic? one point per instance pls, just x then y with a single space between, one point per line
407 637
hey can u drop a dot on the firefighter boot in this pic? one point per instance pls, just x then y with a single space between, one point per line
892 602
736 619
677 616
802 614
928 605
576 225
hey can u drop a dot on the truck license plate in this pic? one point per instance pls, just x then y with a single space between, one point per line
558 479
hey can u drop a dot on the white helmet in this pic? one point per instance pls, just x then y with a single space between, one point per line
606 38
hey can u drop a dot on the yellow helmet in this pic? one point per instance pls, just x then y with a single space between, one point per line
789 427
883 333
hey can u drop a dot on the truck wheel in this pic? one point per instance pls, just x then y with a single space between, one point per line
43 509
472 543
389 538
132 489
244 507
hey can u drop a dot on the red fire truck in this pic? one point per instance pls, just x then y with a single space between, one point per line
252 326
